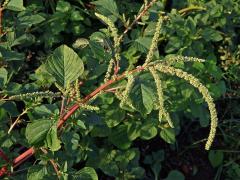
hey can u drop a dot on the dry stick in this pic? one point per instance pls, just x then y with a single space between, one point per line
27 154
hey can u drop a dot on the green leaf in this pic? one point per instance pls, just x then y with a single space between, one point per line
9 55
173 44
108 8
119 137
87 173
142 44
200 112
36 172
133 130
168 135
11 108
148 131
44 111
37 130
81 124
15 5
64 65
215 158
31 20
142 98
52 141
24 40
98 50
3 77
76 16
114 117
211 35
174 174
63 6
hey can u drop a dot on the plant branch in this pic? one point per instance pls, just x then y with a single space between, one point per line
55 166
27 154
142 13
17 120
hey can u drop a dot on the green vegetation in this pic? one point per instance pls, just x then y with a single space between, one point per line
110 89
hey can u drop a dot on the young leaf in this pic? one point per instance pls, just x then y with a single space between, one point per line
168 135
174 174
37 130
87 173
108 8
52 140
215 158
64 65
15 5
148 131
31 19
119 137
142 98
36 172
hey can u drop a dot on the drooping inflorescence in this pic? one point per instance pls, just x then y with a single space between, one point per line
39 94
173 59
154 40
162 111
128 88
114 34
109 70
88 107
202 89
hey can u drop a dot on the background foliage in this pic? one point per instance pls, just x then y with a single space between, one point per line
119 143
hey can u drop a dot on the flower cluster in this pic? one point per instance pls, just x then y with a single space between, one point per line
41 94
162 111
116 40
154 41
171 59
203 90
128 88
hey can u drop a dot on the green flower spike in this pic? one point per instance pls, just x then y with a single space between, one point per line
203 90
162 111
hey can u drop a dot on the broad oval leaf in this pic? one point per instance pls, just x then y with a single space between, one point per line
37 130
52 141
148 131
15 5
64 65
87 173
119 137
36 172
168 135
142 98
175 174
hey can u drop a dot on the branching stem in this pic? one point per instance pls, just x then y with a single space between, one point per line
17 120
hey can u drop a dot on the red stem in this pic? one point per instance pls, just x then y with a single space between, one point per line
27 154
4 156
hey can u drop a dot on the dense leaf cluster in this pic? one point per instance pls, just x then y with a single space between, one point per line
54 55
